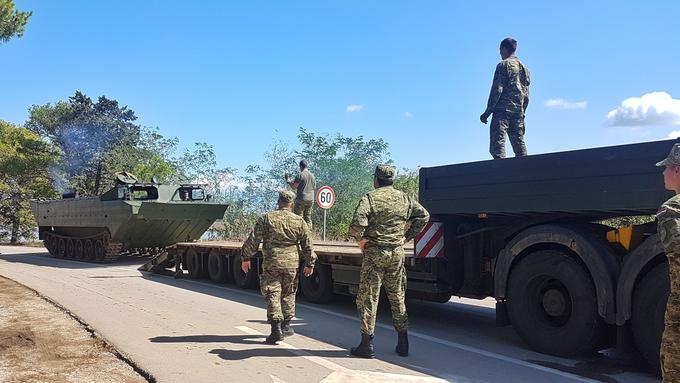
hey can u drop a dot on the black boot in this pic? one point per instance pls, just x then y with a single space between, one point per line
286 330
276 334
365 348
402 343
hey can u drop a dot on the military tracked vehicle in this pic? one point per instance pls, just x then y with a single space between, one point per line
131 218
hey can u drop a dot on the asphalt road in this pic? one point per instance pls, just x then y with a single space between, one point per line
198 331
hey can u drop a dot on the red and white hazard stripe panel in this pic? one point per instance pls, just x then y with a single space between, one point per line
430 241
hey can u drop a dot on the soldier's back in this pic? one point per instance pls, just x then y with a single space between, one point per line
390 209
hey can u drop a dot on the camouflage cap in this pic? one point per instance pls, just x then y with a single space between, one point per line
385 172
286 196
673 158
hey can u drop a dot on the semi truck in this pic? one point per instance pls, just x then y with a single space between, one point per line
565 242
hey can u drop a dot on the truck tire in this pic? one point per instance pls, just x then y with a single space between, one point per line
552 304
318 287
647 313
218 267
195 267
241 279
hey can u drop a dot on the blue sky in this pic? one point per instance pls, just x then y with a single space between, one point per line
241 74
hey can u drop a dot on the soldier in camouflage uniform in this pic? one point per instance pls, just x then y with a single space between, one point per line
379 226
668 221
508 102
304 184
281 232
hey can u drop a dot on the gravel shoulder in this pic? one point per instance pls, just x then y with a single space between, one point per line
41 343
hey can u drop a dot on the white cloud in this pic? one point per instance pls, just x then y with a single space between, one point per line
355 108
560 103
408 115
674 134
652 109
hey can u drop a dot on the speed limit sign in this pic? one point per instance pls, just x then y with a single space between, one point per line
325 197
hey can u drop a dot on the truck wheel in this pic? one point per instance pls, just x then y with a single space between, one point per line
553 306
218 267
318 287
647 314
194 264
243 280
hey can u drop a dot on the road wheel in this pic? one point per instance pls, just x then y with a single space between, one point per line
243 280
99 250
194 264
88 250
552 304
647 314
62 248
79 249
318 287
70 248
218 267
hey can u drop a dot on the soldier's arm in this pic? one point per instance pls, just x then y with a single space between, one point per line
669 228
251 244
360 219
418 219
296 182
496 88
306 246
528 82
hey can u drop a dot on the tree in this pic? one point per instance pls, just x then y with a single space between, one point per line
25 162
85 131
12 22
407 180
344 163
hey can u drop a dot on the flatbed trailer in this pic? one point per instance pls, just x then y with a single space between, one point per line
336 272
528 231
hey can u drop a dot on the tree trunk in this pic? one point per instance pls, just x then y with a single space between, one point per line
14 238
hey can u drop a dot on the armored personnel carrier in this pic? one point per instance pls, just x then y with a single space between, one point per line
131 218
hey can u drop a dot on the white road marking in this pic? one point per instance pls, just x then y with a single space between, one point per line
474 350
344 374
276 379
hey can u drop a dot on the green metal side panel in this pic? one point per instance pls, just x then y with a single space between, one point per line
602 181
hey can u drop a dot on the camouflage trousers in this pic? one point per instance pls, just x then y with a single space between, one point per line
304 210
382 266
670 343
278 286
514 127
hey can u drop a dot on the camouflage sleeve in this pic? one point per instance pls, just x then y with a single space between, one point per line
360 219
496 87
306 246
528 82
251 245
668 221
418 219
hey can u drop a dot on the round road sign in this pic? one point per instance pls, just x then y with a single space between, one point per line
325 197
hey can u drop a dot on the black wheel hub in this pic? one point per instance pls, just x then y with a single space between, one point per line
554 303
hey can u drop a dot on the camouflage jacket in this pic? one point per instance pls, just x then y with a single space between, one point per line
280 232
382 216
510 88
668 221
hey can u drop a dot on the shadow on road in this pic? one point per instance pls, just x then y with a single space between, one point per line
240 339
44 259
274 352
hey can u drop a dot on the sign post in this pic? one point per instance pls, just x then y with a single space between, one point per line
325 199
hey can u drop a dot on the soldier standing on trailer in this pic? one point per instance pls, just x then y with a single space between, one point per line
379 226
305 185
668 221
508 102
281 232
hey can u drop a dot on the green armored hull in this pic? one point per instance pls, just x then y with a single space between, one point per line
130 218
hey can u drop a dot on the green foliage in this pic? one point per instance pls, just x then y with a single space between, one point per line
25 161
407 180
85 131
12 22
